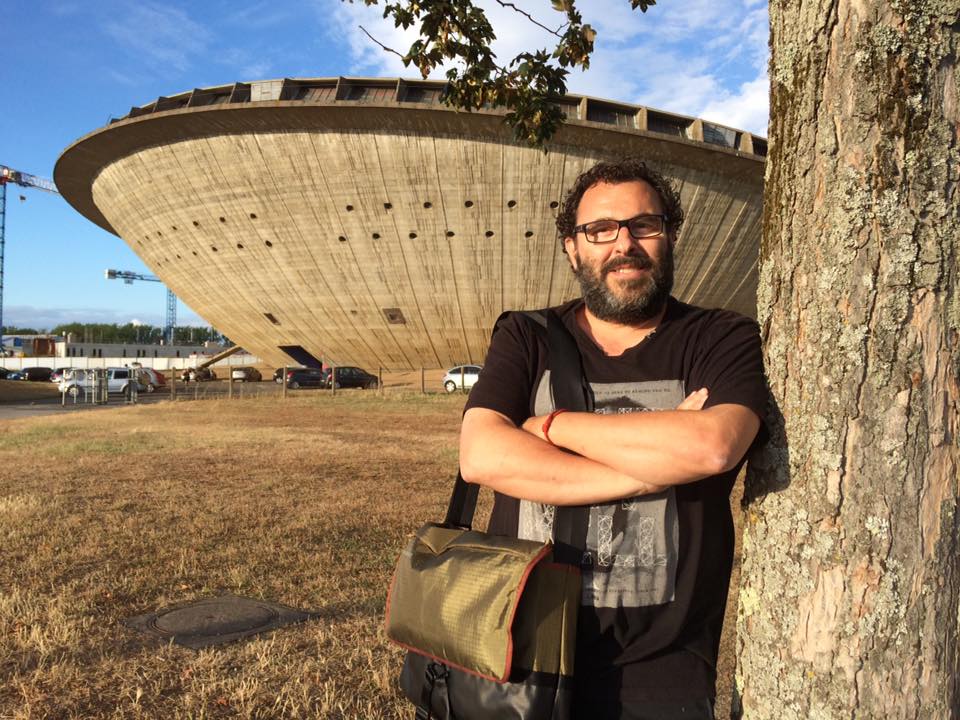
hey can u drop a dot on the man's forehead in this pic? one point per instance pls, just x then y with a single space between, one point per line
638 192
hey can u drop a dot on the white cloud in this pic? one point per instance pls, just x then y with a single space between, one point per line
747 109
709 56
255 71
515 34
160 35
258 16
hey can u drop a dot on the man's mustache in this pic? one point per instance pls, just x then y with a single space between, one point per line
632 261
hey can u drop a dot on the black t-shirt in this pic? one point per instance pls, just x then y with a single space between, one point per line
656 568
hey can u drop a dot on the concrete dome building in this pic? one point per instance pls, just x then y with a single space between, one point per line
363 222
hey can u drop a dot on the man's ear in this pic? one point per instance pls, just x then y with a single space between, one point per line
570 247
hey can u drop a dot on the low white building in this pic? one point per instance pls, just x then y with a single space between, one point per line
69 349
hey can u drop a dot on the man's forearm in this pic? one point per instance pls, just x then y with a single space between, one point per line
665 447
496 454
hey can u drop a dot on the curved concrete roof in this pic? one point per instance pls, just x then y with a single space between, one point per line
362 221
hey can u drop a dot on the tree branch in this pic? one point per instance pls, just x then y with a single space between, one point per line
528 16
388 49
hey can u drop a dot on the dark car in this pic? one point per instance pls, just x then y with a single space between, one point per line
3 373
35 374
198 375
352 377
306 377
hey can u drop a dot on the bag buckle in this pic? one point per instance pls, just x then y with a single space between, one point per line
437 671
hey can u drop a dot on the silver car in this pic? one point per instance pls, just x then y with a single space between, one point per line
461 377
119 380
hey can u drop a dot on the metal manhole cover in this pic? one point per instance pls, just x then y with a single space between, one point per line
214 621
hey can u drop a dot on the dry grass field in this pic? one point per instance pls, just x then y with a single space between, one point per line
306 502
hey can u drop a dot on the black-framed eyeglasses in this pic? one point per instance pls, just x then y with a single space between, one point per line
639 227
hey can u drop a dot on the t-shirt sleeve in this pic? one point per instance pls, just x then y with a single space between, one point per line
730 365
507 377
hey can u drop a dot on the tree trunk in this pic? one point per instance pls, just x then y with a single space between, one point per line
851 587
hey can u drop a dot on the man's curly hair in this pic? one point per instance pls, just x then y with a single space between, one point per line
614 173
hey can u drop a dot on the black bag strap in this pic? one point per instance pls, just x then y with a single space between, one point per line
570 392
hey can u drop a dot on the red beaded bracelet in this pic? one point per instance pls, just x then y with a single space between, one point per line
548 422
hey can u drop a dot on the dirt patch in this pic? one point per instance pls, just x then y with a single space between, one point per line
15 391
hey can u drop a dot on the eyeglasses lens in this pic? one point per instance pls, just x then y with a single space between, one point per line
645 226
601 231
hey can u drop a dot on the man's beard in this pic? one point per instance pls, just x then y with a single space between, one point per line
638 299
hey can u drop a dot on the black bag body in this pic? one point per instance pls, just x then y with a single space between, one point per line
442 692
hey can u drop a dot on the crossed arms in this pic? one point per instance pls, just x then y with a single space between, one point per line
611 456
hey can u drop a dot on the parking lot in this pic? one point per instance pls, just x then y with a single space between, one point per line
45 400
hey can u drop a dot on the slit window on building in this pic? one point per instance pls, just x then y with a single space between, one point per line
368 93
611 115
716 135
301 356
666 124
394 316
271 318
421 95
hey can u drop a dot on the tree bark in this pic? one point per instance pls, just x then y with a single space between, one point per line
850 587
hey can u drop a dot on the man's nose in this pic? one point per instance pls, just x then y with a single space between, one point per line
625 244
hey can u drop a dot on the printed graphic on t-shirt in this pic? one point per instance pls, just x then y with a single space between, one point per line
631 554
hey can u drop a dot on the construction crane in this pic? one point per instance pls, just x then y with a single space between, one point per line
7 176
171 317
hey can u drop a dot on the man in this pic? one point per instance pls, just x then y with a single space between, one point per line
660 541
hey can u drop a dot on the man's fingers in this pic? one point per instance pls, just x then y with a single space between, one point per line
694 401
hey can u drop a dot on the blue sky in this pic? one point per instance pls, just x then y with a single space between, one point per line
70 66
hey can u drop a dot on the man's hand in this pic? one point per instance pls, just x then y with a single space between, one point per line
693 401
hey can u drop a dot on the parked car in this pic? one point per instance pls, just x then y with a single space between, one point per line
245 374
151 379
60 373
16 375
119 380
306 377
461 377
348 377
4 373
35 374
198 375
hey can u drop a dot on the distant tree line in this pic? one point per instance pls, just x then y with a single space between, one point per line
129 333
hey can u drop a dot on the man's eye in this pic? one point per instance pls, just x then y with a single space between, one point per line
645 226
598 229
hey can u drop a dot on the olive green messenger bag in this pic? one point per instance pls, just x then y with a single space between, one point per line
490 621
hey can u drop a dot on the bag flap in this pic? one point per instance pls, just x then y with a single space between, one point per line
454 595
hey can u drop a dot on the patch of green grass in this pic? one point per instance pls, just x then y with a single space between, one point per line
37 437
